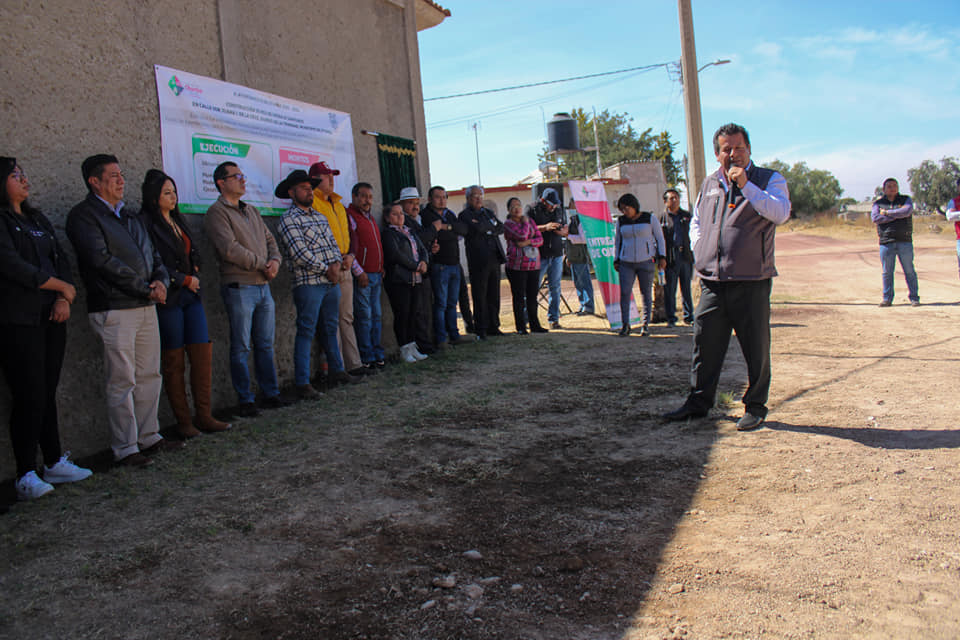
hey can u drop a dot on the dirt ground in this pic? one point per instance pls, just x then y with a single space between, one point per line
526 488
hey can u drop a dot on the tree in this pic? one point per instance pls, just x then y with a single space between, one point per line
811 190
620 142
934 186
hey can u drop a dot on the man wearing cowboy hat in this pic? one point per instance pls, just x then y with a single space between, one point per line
409 201
316 263
327 203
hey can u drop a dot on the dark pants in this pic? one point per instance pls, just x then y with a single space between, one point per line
31 358
405 299
423 311
524 286
743 307
485 282
682 272
465 312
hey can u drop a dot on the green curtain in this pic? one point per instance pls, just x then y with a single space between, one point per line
397 165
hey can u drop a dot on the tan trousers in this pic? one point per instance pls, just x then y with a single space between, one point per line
347 337
131 356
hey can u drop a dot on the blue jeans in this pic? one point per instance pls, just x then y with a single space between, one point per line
315 302
644 272
446 294
367 322
250 310
552 268
183 323
584 285
681 270
888 257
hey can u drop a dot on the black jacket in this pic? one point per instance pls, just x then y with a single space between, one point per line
482 243
448 240
552 241
676 232
398 260
117 260
899 230
173 252
21 299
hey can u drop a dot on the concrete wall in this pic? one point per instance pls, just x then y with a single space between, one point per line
79 80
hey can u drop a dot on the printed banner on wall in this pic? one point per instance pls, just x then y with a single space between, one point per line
204 122
598 227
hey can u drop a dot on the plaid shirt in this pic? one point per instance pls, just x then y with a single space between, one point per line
309 245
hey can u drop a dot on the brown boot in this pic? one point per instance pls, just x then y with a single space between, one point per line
201 377
173 364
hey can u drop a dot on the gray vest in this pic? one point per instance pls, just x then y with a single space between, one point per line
735 243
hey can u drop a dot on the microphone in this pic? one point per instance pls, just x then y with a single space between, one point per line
732 192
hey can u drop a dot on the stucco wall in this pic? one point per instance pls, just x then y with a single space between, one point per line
78 79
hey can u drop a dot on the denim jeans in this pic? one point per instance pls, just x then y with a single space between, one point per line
888 257
681 271
367 318
315 303
250 310
552 268
183 323
584 285
644 272
446 292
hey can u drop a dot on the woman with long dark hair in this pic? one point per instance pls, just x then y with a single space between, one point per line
36 291
640 250
405 262
183 323
523 266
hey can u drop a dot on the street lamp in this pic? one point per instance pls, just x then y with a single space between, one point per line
715 63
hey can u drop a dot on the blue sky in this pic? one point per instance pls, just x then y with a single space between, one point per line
865 90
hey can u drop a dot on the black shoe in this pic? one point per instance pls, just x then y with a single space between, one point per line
274 402
522 332
363 370
342 377
453 342
749 422
495 332
644 330
426 349
482 337
539 329
246 410
470 329
380 364
555 325
624 330
685 411
163 446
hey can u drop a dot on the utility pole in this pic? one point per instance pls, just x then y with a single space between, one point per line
596 142
697 170
476 141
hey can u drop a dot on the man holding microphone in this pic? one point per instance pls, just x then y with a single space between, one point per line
732 234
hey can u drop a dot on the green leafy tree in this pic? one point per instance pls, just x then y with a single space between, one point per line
619 142
811 190
933 186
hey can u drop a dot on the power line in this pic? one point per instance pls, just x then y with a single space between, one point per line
545 82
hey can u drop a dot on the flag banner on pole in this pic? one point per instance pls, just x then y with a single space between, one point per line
599 229
204 122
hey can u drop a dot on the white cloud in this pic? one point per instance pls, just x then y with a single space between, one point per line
861 168
770 51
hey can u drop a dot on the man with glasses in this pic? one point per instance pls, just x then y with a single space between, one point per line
249 259
124 278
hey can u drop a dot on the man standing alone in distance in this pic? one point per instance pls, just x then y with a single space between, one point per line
732 233
893 215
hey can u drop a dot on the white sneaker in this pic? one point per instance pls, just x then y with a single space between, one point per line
30 486
406 355
65 471
416 352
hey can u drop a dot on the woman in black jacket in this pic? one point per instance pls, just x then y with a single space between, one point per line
183 323
36 290
405 262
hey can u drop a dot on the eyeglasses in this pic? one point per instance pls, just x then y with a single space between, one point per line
238 176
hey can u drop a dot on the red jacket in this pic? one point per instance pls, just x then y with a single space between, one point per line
368 248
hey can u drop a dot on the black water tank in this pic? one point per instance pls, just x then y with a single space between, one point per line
562 133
